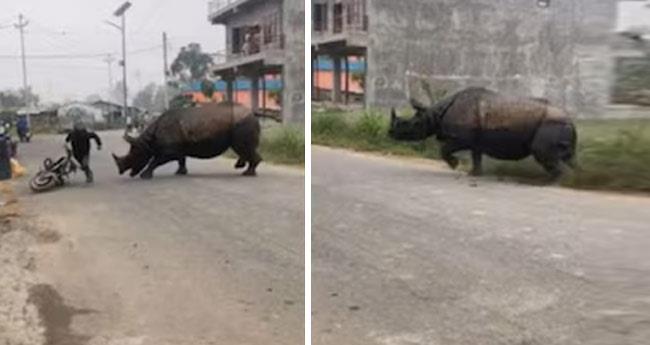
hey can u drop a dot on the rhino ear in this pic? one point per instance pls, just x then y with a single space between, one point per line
417 105
393 116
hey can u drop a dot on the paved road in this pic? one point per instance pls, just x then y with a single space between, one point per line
408 252
209 258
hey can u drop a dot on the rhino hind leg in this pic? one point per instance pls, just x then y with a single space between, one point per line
182 167
240 164
477 163
246 139
554 147
252 165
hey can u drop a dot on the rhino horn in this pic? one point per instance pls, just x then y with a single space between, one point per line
119 161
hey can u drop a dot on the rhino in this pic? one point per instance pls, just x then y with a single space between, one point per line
486 122
204 132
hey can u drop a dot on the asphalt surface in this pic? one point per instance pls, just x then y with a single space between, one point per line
208 258
407 252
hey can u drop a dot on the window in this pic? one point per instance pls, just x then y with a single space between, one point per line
320 17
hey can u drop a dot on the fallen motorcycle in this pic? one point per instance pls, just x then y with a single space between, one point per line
53 173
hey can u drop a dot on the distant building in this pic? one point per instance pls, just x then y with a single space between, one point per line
114 110
556 49
71 112
264 40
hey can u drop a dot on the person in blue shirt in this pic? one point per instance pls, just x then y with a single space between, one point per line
22 127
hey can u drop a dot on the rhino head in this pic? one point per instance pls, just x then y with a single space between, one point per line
135 160
415 128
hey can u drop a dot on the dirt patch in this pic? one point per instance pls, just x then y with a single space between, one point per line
47 236
20 320
56 316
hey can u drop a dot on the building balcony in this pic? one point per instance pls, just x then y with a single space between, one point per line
267 59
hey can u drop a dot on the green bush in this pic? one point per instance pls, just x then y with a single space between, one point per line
284 145
328 124
372 127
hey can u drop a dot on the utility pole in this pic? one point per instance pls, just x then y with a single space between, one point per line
125 91
22 23
166 70
109 59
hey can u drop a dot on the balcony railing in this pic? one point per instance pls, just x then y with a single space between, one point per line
256 45
264 35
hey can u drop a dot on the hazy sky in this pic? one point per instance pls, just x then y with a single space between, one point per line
76 27
633 14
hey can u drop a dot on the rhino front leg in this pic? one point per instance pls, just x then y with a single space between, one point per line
182 168
477 163
447 152
157 161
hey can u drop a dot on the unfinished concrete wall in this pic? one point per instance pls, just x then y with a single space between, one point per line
561 52
293 95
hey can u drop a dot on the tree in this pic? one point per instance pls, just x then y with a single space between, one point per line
191 64
144 99
16 98
10 99
159 98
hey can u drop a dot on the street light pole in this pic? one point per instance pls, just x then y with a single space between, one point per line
120 12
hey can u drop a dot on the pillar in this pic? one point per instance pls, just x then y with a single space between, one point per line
255 92
336 88
229 90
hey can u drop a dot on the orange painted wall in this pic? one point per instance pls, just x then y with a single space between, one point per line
324 80
243 97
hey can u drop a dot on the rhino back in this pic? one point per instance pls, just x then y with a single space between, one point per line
511 113
198 124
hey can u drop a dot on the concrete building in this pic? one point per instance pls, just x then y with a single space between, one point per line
556 49
264 38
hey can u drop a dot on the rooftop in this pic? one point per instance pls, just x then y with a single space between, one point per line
220 10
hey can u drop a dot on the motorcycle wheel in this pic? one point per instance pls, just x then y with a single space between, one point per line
43 181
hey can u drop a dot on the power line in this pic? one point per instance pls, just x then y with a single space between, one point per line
56 56
77 55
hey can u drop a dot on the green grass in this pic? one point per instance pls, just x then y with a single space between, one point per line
365 131
282 144
612 154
